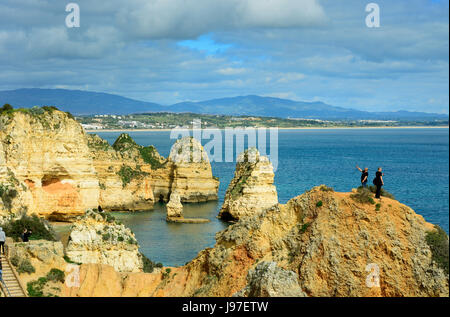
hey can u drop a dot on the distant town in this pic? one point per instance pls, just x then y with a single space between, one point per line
160 121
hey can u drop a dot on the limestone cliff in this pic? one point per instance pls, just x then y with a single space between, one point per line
36 258
187 171
45 164
321 243
124 177
251 190
50 166
97 238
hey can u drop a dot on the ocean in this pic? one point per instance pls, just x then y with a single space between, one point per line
415 162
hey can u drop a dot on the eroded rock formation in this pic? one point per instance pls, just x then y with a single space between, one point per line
269 280
97 238
45 164
174 207
50 166
251 190
320 243
188 172
175 211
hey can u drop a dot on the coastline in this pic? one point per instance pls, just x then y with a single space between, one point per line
294 128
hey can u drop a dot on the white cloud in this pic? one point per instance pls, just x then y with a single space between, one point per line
190 18
229 71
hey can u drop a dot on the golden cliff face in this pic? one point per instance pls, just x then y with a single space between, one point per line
187 171
321 243
50 166
45 157
251 190
124 178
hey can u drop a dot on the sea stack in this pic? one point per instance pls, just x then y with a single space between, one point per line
188 172
251 191
174 207
175 211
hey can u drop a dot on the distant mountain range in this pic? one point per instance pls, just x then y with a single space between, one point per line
87 103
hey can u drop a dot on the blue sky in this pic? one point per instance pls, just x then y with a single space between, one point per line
167 51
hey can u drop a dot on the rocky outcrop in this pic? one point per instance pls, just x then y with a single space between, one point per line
50 166
97 238
100 280
124 177
251 190
175 211
40 255
45 163
174 207
188 172
321 243
331 242
269 280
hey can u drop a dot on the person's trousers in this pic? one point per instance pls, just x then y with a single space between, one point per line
378 192
364 184
2 247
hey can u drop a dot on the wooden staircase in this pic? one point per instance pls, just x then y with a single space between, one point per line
12 286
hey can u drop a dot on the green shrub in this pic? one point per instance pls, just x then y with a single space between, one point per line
149 265
6 108
106 236
56 275
127 174
319 203
166 273
35 288
383 192
326 189
7 195
49 108
25 266
378 207
149 155
363 195
304 227
438 242
15 260
41 230
120 239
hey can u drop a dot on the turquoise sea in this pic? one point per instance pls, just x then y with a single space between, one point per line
415 163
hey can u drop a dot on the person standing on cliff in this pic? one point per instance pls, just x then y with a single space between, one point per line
378 182
26 235
364 176
2 240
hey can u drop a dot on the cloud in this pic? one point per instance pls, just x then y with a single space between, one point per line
229 71
203 49
181 19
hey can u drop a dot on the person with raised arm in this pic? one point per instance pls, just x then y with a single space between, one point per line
364 176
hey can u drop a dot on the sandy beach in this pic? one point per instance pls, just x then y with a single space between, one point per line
295 128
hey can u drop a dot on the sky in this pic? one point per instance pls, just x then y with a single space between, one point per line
168 51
